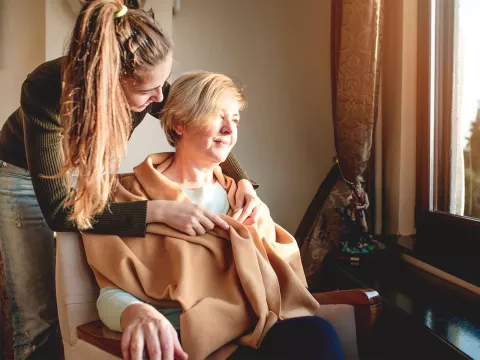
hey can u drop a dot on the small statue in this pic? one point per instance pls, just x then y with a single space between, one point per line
358 240
358 204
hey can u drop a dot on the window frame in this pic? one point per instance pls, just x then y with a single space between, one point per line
442 237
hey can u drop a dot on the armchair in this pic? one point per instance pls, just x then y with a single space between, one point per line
84 336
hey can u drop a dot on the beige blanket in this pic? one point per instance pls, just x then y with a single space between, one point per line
233 286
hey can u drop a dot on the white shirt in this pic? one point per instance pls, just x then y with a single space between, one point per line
212 197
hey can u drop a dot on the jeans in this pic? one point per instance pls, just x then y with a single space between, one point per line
27 249
308 337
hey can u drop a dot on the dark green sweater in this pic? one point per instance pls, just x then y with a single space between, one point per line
31 139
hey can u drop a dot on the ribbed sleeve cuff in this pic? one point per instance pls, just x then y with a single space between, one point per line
231 167
123 219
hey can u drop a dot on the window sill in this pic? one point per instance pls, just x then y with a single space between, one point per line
423 315
451 268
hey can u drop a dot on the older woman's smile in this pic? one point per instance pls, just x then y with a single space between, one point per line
222 142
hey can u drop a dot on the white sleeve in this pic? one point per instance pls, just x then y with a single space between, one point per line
110 305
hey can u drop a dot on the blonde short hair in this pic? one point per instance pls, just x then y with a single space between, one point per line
192 97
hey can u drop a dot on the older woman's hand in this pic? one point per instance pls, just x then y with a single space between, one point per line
144 328
247 202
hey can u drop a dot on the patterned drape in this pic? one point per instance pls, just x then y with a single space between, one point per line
355 62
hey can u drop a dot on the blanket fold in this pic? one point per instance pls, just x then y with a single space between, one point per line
232 285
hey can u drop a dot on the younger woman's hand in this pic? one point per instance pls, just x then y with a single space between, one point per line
145 329
187 217
247 203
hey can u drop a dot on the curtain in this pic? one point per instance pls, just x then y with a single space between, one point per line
356 32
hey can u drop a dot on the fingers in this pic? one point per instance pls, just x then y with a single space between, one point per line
256 214
247 210
217 220
197 227
125 344
189 230
200 220
237 214
148 332
200 225
242 215
152 341
206 223
239 200
177 348
158 338
252 210
166 341
137 344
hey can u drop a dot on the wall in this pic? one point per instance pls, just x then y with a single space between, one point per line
59 21
22 48
279 52
399 116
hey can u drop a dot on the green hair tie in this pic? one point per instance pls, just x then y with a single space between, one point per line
120 13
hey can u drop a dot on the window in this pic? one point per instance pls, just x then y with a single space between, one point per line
467 79
448 142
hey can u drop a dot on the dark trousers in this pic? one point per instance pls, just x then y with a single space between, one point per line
308 337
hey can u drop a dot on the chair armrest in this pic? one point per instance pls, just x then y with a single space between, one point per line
97 334
366 303
352 297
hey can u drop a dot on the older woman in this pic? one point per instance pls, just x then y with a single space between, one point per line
217 289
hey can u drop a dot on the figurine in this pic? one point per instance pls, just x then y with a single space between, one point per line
358 203
357 240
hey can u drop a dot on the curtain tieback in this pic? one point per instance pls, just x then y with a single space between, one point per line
341 172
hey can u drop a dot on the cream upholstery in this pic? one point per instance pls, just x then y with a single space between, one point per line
77 293
342 318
